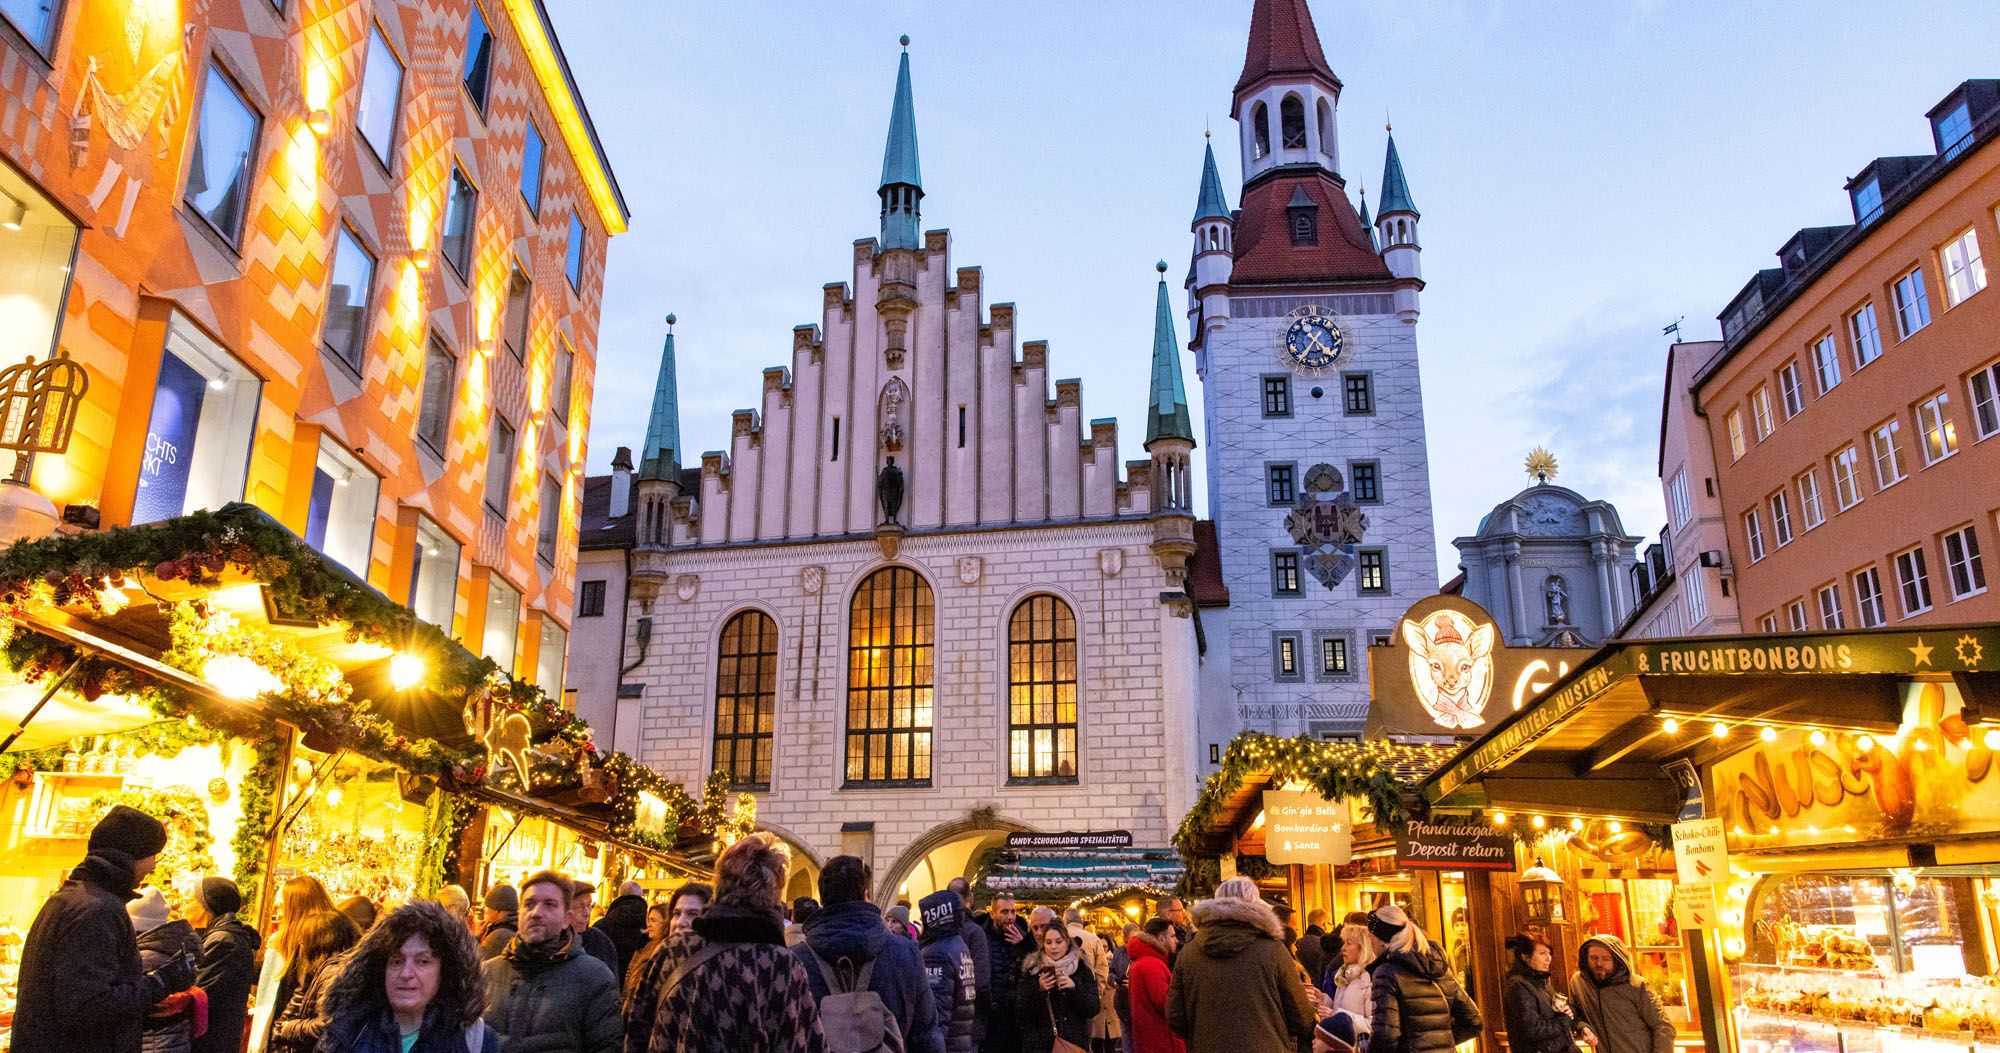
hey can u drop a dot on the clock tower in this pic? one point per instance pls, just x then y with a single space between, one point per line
1304 321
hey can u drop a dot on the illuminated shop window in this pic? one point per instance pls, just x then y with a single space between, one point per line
340 517
891 653
198 435
1041 692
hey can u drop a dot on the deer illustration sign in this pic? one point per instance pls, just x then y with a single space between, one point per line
1451 666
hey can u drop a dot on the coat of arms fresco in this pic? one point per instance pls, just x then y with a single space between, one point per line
1326 524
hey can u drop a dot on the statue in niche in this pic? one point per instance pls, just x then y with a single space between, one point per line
1556 595
895 395
889 490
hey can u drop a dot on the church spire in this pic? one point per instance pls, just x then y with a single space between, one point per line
1210 204
1368 225
902 188
1167 416
1283 41
1395 189
660 456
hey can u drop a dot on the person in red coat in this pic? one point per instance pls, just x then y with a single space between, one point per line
1146 983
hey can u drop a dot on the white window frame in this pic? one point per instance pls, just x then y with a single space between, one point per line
1678 499
1913 304
1735 424
1870 609
1937 434
1830 614
1885 446
1811 508
1781 518
1795 616
1753 533
1696 593
1760 412
1964 271
1866 333
1791 391
1826 363
1847 478
349 533
1768 624
1913 581
1964 565
1984 388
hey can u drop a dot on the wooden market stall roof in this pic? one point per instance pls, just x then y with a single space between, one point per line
1382 771
1634 706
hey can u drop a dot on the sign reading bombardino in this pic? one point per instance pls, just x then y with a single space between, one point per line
1452 846
1302 827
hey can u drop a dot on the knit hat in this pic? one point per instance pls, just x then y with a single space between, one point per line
1392 925
900 913
503 898
128 831
149 911
221 896
581 888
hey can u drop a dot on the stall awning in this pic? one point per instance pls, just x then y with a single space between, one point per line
1061 876
1379 770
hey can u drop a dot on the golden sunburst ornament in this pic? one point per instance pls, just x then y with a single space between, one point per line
1541 465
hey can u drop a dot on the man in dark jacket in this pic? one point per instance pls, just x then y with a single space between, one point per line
949 967
544 993
1616 1003
982 963
81 986
228 966
592 939
848 933
624 921
1007 945
1309 950
503 918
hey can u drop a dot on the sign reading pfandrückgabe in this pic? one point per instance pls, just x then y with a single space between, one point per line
1452 846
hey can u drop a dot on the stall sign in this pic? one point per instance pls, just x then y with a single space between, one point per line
1302 827
1446 670
1695 907
1700 854
1452 846
1070 841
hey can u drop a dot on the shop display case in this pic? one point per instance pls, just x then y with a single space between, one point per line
1786 1007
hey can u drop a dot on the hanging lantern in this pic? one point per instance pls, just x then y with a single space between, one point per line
38 402
1541 895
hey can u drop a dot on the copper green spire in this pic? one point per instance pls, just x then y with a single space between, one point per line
658 459
1167 417
1210 204
1395 189
902 186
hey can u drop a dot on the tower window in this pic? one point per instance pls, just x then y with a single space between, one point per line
961 427
1285 574
1279 484
1292 116
1260 131
1374 577
1358 390
1278 396
1325 128
836 439
1305 231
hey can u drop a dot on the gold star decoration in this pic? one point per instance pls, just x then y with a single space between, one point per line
1541 465
1970 651
1921 653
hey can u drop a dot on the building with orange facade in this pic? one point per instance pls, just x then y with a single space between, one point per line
343 262
1854 408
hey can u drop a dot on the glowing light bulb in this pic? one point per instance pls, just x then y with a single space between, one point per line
1768 734
1499 818
333 797
1670 725
1864 743
1539 822
1575 823
1817 738
1991 740
405 671
1615 826
1720 730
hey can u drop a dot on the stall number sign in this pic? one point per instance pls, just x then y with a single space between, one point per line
1303 827
1700 855
1695 907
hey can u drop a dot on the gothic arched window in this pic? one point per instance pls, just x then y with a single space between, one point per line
1325 128
746 699
891 652
1041 692
1292 116
1260 130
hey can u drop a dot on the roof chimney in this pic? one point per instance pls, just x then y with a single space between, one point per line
621 483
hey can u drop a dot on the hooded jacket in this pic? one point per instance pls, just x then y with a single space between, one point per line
1235 986
1003 961
227 971
545 999
751 997
850 935
81 985
948 967
169 1026
1622 1010
1533 1025
982 975
496 934
1413 992
1147 981
624 921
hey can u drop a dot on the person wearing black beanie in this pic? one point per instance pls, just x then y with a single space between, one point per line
229 962
81 984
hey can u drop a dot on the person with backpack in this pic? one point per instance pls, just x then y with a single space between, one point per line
1418 1006
948 966
872 990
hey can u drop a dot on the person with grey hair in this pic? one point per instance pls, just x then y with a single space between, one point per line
1236 986
457 903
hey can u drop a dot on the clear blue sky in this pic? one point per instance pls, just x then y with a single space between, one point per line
1587 172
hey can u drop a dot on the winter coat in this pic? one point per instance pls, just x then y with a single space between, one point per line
296 1026
496 934
624 921
542 1000
1413 993
80 985
982 979
948 968
384 1035
169 1028
751 997
1098 955
228 972
1310 952
1622 1010
1147 981
638 966
1356 996
599 946
1004 970
1069 1011
848 936
1533 1025
1236 987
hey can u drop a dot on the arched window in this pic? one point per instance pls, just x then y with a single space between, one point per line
746 699
890 655
1325 128
1292 115
1260 129
1041 692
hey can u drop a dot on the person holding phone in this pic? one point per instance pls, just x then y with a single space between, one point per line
1059 995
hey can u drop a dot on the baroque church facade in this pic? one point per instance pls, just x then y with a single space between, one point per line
1303 320
918 603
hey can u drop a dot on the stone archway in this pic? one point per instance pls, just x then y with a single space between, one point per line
942 853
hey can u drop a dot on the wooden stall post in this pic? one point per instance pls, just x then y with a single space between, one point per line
1484 917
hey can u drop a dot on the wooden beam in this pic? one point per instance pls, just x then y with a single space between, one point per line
1638 799
1617 745
1869 703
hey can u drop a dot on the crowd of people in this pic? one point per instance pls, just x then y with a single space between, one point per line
730 968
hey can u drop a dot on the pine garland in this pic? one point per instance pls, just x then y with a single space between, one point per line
258 796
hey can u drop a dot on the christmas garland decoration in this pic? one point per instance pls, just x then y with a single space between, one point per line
445 820
257 795
186 818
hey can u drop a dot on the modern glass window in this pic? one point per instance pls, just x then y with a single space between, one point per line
1278 396
1810 507
36 19
1280 484
501 636
1285 574
1962 565
746 699
1830 616
1041 692
1364 481
1358 393
1868 202
1940 435
1846 481
1985 387
1333 656
381 96
1795 616
1678 501
1868 607
1867 336
1695 591
198 435
499 466
461 209
1913 581
531 169
1736 443
1781 517
434 411
549 656
1791 393
35 265
548 525
1373 576
478 72
1753 532
565 370
345 332
1760 411
1826 363
1886 443
220 168
520 300
434 575
573 260
590 599
340 514
1913 308
890 656
1964 272
1954 131
1285 657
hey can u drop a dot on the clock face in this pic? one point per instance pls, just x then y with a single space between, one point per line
1313 342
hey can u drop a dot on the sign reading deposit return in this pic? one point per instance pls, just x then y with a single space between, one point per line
1302 827
1453 846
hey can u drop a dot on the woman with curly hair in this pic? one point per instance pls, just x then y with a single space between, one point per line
412 985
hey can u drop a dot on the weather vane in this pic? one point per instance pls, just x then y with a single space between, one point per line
1541 465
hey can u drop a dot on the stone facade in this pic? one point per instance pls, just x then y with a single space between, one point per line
1551 568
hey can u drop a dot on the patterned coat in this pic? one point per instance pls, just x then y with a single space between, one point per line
752 997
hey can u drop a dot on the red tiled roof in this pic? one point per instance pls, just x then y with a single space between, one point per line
1282 40
1264 249
1205 568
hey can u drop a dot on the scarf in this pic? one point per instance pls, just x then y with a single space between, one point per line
736 923
536 957
1063 966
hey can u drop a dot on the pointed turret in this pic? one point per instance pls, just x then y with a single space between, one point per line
1214 242
1395 188
1169 446
1396 225
659 458
1366 223
902 189
1167 416
658 485
1286 97
1210 203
